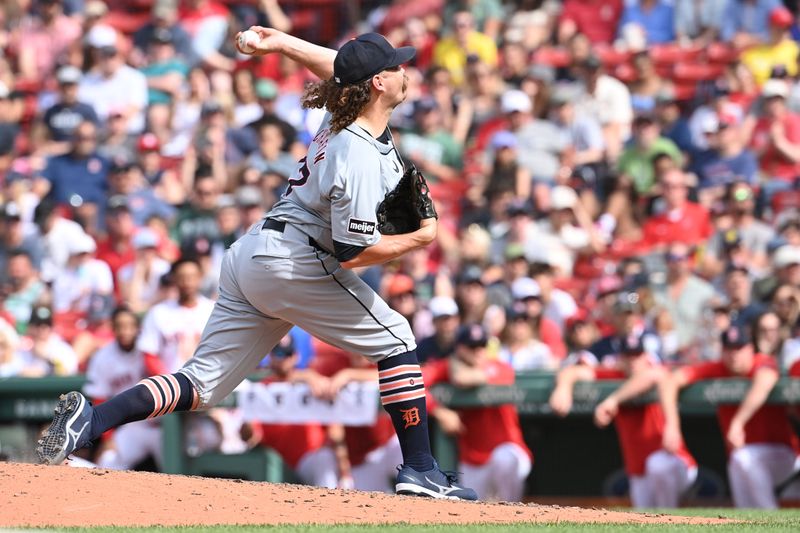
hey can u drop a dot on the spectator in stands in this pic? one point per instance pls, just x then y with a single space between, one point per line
648 82
270 156
165 17
776 140
138 280
742 309
681 220
580 335
697 21
786 305
83 279
441 344
250 201
487 14
42 38
111 84
527 292
771 338
785 261
506 174
43 351
197 218
558 305
752 234
116 249
655 17
674 126
471 294
53 133
206 22
779 50
432 149
23 288
493 455
746 22
762 447
115 141
452 52
11 363
13 238
165 71
583 134
597 19
161 186
521 348
81 171
609 101
657 477
684 295
399 292
636 162
627 318
540 146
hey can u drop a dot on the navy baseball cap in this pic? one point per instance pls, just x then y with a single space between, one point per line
285 348
632 344
361 58
735 337
473 336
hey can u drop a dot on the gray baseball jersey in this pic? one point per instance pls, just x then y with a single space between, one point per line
337 187
275 276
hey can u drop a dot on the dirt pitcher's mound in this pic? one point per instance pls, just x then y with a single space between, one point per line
34 495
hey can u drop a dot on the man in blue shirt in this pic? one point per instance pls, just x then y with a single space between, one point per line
80 172
746 22
656 17
61 119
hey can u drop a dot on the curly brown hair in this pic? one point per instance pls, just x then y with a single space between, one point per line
344 103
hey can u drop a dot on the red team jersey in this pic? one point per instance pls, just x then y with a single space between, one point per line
770 424
640 429
486 428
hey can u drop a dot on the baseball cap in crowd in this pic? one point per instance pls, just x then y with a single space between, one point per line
735 337
504 139
10 211
666 95
632 344
515 101
628 302
162 36
473 336
442 306
148 142
4 91
731 239
541 72
524 288
780 17
736 267
514 251
266 89
102 37
786 255
565 93
775 88
518 207
608 285
118 202
248 196
581 316
361 58
592 62
120 163
165 9
425 105
562 197
41 316
517 310
225 201
471 274
145 238
400 284
81 244
68 75
210 107
284 348
95 9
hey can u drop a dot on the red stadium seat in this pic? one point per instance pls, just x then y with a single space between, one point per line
686 72
721 53
611 57
625 73
669 54
685 91
783 200
553 56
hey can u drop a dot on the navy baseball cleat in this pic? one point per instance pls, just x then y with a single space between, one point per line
434 483
69 430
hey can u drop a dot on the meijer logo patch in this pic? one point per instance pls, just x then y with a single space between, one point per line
360 226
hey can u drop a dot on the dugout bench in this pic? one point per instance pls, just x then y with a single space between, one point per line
571 455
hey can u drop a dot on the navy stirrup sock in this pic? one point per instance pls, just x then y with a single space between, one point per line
151 397
403 397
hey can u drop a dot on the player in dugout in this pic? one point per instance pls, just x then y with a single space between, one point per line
657 476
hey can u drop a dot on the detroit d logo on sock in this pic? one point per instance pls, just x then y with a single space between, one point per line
362 227
410 417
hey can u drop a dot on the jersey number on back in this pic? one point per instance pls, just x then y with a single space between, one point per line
299 182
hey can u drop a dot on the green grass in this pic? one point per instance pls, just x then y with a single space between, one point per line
756 521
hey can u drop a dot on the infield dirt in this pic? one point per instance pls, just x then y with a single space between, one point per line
34 495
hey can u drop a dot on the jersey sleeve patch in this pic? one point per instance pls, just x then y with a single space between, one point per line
362 227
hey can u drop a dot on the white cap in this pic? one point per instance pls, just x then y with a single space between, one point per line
786 255
525 288
440 306
4 92
145 238
773 87
82 244
101 36
562 197
515 100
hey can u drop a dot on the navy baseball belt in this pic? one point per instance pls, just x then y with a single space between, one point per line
280 227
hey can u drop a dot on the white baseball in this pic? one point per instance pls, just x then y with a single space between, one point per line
248 40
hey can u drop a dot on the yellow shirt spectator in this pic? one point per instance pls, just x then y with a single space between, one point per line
761 59
452 52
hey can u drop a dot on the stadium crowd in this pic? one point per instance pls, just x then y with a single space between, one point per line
617 184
